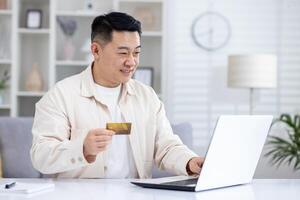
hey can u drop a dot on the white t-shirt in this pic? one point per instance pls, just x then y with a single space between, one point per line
118 157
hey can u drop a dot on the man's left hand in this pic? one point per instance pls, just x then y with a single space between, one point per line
194 165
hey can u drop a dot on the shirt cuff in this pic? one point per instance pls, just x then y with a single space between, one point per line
183 161
75 148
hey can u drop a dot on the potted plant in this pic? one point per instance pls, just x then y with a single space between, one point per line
3 85
286 150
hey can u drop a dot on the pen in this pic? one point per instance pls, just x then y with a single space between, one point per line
10 185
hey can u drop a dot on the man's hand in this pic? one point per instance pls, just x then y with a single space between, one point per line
95 142
194 165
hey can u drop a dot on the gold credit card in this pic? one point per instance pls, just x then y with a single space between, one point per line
119 128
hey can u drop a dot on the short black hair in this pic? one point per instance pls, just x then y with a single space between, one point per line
104 25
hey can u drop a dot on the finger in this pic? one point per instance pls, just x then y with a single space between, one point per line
196 169
199 160
105 132
110 132
200 163
100 149
103 138
99 132
102 144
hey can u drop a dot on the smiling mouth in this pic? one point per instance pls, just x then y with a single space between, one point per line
126 71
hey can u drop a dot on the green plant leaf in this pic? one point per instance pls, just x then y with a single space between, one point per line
297 163
285 150
290 160
287 119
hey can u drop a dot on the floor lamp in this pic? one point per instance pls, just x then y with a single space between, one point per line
252 72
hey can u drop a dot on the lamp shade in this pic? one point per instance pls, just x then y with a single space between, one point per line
252 71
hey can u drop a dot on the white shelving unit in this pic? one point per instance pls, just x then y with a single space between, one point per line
5 61
152 34
5 12
32 47
6 64
71 63
33 31
46 46
30 94
79 13
5 106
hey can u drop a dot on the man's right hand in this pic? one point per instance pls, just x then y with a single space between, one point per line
95 142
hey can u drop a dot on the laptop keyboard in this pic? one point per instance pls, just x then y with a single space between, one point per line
189 182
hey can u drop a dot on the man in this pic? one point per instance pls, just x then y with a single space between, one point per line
70 138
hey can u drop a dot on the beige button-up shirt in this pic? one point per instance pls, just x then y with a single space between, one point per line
68 111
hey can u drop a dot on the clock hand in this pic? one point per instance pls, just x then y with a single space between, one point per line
205 33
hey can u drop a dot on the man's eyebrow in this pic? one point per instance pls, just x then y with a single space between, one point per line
127 48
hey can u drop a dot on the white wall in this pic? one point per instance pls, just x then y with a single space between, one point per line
197 90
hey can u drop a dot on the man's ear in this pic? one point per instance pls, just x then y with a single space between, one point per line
95 49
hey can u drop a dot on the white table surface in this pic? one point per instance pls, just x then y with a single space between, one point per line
109 189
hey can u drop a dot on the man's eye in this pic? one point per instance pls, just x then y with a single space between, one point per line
122 53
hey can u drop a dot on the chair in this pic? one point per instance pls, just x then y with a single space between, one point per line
16 140
185 133
15 144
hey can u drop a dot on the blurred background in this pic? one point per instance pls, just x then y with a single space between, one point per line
186 46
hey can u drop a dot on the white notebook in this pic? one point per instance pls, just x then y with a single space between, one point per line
27 188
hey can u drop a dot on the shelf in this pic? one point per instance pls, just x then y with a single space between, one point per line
33 31
5 12
30 94
72 63
5 62
152 34
45 45
4 106
77 13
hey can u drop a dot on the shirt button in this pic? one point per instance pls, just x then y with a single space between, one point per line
105 168
80 159
72 160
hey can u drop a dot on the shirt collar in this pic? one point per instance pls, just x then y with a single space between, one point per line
88 86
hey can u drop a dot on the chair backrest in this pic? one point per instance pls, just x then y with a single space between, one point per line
185 133
16 140
15 144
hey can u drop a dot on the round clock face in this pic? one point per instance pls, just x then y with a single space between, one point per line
211 31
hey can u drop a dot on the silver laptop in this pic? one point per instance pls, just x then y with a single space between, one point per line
231 158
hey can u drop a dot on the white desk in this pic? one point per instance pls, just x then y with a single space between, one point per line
101 189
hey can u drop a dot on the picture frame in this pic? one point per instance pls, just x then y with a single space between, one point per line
146 15
34 18
144 75
3 4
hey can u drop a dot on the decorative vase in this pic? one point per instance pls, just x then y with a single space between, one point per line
34 81
69 49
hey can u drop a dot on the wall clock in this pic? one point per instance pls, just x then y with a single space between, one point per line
211 31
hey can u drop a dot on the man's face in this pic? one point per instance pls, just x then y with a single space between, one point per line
118 59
